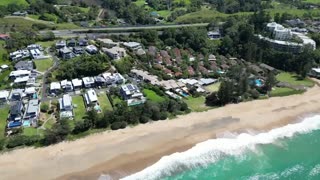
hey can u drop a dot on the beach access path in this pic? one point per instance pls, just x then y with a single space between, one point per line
126 151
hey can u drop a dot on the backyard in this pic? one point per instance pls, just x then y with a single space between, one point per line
3 117
43 64
104 101
153 96
197 104
79 108
294 80
283 91
30 131
213 87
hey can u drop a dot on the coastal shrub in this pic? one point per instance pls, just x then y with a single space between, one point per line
2 144
44 107
16 141
80 127
163 116
143 119
119 125
254 94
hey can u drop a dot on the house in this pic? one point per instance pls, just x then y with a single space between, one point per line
21 80
20 13
31 92
91 49
72 43
132 94
152 50
4 67
164 53
132 45
66 53
267 67
83 42
66 85
17 95
55 88
61 44
115 52
4 95
32 112
31 82
77 84
66 107
115 78
24 65
108 43
78 50
19 73
203 70
4 36
212 57
191 71
91 98
213 35
207 81
100 81
88 82
36 53
315 72
19 55
34 46
140 52
177 53
16 111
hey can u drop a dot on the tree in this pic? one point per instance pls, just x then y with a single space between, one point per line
270 81
91 118
225 93
44 107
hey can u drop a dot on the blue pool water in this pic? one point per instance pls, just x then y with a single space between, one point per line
26 123
258 82
184 94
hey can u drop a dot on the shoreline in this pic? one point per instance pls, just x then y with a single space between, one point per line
123 152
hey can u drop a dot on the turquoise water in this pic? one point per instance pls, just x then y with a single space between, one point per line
294 158
289 152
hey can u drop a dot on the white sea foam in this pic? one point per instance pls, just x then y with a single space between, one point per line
292 170
315 170
212 150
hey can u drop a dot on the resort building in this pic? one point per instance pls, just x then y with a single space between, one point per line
279 32
132 94
66 107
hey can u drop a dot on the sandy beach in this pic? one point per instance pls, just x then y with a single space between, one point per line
126 151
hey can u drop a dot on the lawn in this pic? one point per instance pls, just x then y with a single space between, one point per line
140 2
311 1
46 44
116 100
3 120
197 104
153 96
283 91
293 80
4 79
80 110
213 87
164 13
6 2
30 131
43 64
104 101
49 123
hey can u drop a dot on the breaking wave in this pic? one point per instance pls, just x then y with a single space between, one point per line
212 150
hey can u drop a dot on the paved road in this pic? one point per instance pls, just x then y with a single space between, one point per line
118 30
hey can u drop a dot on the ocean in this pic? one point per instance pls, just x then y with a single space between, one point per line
289 152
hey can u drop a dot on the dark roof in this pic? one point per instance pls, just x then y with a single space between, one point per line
15 108
26 65
265 66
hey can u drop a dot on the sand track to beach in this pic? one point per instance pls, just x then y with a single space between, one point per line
123 152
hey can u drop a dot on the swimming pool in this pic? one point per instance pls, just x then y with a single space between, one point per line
258 82
26 123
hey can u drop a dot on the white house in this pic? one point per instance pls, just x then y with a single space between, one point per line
77 84
132 45
66 85
55 87
66 107
91 49
91 97
19 73
88 82
132 94
4 96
